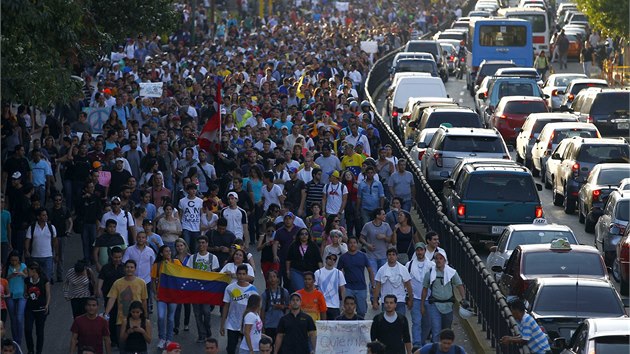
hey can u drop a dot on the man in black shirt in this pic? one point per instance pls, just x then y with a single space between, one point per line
16 163
120 176
391 328
349 310
293 189
61 219
111 272
295 329
221 241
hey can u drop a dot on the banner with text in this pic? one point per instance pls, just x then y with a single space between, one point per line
343 337
151 89
342 6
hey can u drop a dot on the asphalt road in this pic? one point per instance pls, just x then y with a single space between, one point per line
457 90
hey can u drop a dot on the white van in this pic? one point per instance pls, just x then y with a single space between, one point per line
404 87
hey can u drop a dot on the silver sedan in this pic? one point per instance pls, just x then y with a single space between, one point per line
554 88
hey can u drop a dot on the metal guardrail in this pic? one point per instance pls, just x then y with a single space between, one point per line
482 290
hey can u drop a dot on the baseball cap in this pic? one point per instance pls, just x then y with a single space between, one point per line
421 245
289 215
233 194
173 346
119 159
293 170
295 294
116 198
335 174
16 175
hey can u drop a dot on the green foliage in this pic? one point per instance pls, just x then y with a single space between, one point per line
609 16
43 40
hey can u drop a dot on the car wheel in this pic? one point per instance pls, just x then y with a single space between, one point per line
589 226
557 197
616 271
580 213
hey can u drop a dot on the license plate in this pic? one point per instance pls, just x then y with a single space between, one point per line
623 125
497 229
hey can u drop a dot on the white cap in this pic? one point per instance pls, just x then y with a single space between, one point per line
233 194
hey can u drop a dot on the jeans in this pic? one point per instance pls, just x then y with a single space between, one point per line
178 314
67 193
38 319
366 216
88 235
191 239
420 325
375 264
46 263
202 318
16 315
406 205
297 280
232 341
439 321
586 66
563 60
78 306
361 296
150 297
40 191
166 320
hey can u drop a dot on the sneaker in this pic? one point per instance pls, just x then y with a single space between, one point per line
175 330
201 340
186 328
161 344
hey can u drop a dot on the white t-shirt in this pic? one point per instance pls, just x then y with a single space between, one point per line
393 280
328 282
191 213
207 262
255 333
237 297
271 197
236 219
231 267
41 243
417 271
122 223
334 197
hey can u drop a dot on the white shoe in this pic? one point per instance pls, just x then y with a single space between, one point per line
161 344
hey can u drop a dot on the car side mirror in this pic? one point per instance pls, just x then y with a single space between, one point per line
559 343
449 183
556 156
596 212
497 269
539 187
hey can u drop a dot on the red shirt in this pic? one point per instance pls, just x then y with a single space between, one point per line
90 332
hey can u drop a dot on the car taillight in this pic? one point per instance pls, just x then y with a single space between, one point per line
452 58
625 249
395 112
438 159
571 96
554 93
420 154
575 169
539 211
503 116
596 193
589 119
617 229
462 60
461 210
484 94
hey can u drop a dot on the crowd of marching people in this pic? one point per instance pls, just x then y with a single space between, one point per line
261 143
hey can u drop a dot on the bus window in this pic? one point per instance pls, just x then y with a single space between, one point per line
511 36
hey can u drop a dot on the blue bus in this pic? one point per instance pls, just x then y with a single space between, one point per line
498 39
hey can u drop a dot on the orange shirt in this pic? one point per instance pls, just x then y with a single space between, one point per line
313 303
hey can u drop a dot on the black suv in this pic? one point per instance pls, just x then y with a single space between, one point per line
432 47
486 68
608 109
576 163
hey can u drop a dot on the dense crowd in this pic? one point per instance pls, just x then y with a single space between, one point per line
298 172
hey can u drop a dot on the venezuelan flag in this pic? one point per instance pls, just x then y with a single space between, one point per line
182 285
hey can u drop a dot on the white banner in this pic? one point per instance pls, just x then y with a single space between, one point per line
343 337
370 47
151 89
342 6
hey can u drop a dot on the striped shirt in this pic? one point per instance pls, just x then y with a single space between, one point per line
314 193
76 285
537 340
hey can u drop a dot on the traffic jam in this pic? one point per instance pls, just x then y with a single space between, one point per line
531 159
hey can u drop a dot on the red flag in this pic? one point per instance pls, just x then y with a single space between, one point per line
210 136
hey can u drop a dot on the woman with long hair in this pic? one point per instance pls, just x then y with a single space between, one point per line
275 304
254 188
333 222
353 220
303 256
78 287
16 303
265 247
182 254
252 326
135 330
405 236
169 227
166 311
237 258
316 222
37 306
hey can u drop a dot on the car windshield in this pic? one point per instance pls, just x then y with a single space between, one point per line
604 153
536 237
455 119
525 107
611 102
560 135
516 89
579 87
623 209
540 123
423 47
491 69
487 144
580 301
564 263
509 187
612 344
612 177
563 81
423 66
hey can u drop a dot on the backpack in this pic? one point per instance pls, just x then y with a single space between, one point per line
435 346
50 229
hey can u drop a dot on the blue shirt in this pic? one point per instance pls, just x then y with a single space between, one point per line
353 267
537 340
40 170
123 114
371 194
16 284
6 221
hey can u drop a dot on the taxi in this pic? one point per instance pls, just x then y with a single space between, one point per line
538 232
557 259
